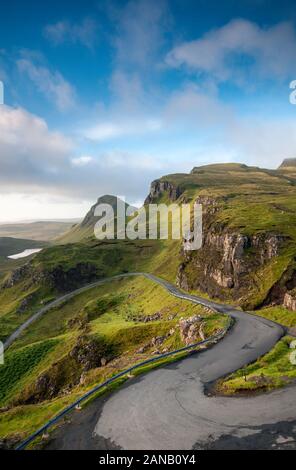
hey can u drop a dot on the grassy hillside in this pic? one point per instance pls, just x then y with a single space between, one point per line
62 268
86 340
247 258
249 228
85 229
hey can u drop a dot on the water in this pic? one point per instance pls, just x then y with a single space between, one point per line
25 253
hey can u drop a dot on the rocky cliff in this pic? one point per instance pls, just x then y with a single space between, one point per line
160 187
227 264
246 232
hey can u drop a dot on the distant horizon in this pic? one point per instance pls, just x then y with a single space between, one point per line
88 204
33 221
162 86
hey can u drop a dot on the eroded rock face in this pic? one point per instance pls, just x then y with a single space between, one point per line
282 292
227 262
58 278
87 354
290 300
191 329
225 258
66 373
153 317
17 275
158 187
67 280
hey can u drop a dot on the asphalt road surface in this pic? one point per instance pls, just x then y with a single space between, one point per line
169 409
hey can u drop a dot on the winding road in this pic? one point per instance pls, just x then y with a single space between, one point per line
168 407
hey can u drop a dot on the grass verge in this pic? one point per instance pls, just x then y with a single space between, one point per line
271 371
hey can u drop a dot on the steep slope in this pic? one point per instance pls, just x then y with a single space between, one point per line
288 163
87 339
249 232
85 230
247 257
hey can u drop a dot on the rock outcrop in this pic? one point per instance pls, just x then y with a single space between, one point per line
87 354
290 300
158 187
228 260
66 373
224 260
191 329
17 275
59 278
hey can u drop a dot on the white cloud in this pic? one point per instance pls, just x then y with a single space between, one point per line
269 52
68 32
112 130
36 160
82 161
31 155
52 84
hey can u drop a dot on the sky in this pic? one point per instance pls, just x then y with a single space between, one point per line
102 97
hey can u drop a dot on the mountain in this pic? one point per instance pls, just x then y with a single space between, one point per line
249 232
85 229
247 258
90 219
248 249
288 163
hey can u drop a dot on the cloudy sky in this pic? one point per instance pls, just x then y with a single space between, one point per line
105 96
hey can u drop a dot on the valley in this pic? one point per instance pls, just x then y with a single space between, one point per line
247 261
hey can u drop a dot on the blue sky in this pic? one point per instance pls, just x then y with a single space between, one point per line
104 96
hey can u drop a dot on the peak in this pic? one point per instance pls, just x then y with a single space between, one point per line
90 219
288 163
108 199
219 167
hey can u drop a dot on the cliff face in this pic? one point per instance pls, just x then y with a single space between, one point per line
246 233
159 187
227 264
248 252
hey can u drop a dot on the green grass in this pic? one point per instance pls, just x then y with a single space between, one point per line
110 310
251 201
271 371
278 314
19 363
